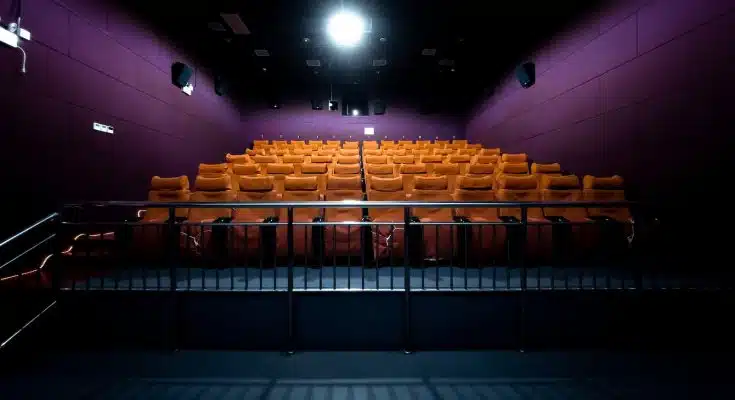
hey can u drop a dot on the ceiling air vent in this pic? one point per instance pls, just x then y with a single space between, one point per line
380 63
262 53
313 63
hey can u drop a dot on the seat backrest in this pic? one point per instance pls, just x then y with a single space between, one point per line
344 188
514 158
264 160
243 170
370 145
430 160
260 143
279 172
509 168
490 152
476 189
325 151
605 189
451 171
476 146
256 189
444 152
346 169
460 141
298 144
255 152
562 188
238 159
372 152
386 189
167 190
455 146
539 170
431 188
405 142
421 152
469 151
410 146
295 160
214 169
404 159
463 160
517 188
423 143
302 188
392 152
351 145
279 151
349 152
333 143
301 151
376 159
409 172
383 170
442 143
388 144
481 169
315 145
319 170
489 159
280 144
211 189
352 159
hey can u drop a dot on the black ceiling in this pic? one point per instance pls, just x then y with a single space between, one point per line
478 42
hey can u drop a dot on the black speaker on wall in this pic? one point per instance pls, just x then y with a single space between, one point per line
180 74
526 74
379 107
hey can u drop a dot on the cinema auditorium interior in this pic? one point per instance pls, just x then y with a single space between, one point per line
366 199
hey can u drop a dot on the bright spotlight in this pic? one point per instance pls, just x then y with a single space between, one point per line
346 28
355 112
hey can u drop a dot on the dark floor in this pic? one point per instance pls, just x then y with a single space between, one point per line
369 375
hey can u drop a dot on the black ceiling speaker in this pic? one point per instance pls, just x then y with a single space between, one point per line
220 85
379 107
180 74
333 105
526 74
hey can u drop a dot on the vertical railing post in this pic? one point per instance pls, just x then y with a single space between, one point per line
406 280
171 243
524 277
291 257
57 248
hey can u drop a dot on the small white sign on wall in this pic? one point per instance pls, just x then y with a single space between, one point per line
369 131
103 128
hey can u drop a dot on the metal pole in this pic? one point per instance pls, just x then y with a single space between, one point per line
524 277
170 251
291 257
406 281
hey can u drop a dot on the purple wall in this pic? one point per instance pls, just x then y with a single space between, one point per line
90 61
298 119
643 89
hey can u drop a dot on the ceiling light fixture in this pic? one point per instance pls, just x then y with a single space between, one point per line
355 112
346 28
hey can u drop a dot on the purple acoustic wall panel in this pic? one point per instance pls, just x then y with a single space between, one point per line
643 89
297 119
90 61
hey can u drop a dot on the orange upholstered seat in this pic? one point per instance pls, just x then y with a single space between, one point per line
514 158
463 160
197 230
304 188
387 239
349 152
372 152
370 145
605 189
212 169
351 145
409 172
343 240
318 170
521 188
490 152
250 241
167 190
430 161
295 160
436 239
487 159
484 244
539 170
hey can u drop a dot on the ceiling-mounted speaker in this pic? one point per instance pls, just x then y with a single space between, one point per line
379 107
526 74
181 74
220 85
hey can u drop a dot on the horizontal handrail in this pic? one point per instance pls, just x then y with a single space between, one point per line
359 204
26 230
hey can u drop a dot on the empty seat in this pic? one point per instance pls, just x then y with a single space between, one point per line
298 144
349 152
511 168
405 159
481 170
199 234
395 152
301 188
346 169
333 143
351 145
514 158
435 238
442 143
253 241
315 145
520 188
295 160
444 152
605 189
280 151
327 160
212 169
370 145
387 237
265 160
150 237
372 152
280 144
318 170
344 240
430 161
570 235
462 142
490 152
476 146
239 170
451 171
478 244
423 143
388 144
376 160
455 146
279 172
348 159
421 152
409 172
487 159
237 159
470 152
463 160
382 170
403 143
255 152
301 151
539 170
325 151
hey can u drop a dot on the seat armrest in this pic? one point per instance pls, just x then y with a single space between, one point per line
223 220
509 219
271 220
601 218
460 218
318 219
557 219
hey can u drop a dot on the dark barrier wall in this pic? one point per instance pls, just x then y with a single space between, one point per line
296 119
90 62
643 89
